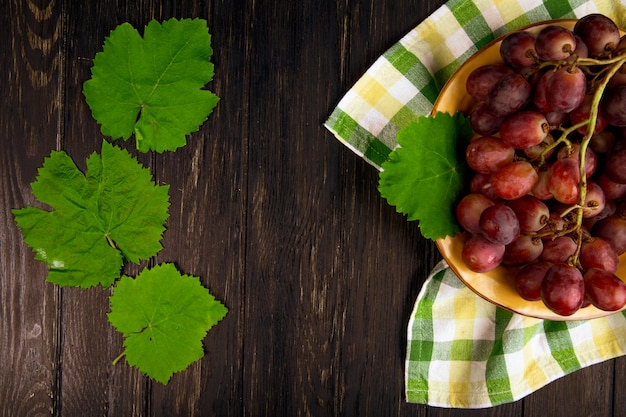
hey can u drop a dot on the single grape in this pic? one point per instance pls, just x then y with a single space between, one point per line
528 280
483 121
469 209
541 190
481 183
604 289
614 105
558 250
591 159
565 90
514 180
532 213
555 118
540 98
518 49
483 78
600 34
481 255
555 43
522 250
563 289
499 224
564 179
487 154
508 95
598 253
612 190
595 200
613 229
615 163
524 129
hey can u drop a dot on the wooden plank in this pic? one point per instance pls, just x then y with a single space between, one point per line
31 60
619 379
292 322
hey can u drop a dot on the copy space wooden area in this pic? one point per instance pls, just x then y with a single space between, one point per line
281 222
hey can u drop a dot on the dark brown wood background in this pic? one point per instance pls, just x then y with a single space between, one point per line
283 224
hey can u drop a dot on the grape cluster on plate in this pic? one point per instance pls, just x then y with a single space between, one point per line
548 192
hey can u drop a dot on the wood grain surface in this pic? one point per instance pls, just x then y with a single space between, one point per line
281 222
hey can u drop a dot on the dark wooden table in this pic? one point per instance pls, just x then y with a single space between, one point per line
282 222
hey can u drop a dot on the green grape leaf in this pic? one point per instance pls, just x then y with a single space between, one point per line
112 213
153 86
424 175
164 316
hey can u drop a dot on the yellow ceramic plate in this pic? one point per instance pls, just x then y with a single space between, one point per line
497 286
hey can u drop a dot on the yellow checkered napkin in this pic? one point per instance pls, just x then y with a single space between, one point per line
463 351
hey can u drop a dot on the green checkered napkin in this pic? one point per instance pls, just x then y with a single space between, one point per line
463 351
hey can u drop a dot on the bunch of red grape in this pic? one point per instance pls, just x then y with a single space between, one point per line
548 191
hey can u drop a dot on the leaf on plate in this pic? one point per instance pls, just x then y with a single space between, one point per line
164 316
153 86
113 212
426 172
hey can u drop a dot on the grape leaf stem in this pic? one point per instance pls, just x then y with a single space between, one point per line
118 358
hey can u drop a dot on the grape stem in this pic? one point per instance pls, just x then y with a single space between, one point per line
614 66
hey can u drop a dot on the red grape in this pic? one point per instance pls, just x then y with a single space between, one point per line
595 200
488 154
555 43
522 250
518 49
514 180
532 213
614 105
599 33
508 95
613 229
558 250
612 190
541 190
469 209
524 129
483 78
591 159
499 224
564 179
605 290
483 121
565 90
528 280
563 289
481 183
598 253
615 163
481 255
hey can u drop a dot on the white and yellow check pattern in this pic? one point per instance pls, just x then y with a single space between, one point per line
463 351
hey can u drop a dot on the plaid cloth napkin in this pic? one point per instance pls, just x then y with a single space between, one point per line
463 351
